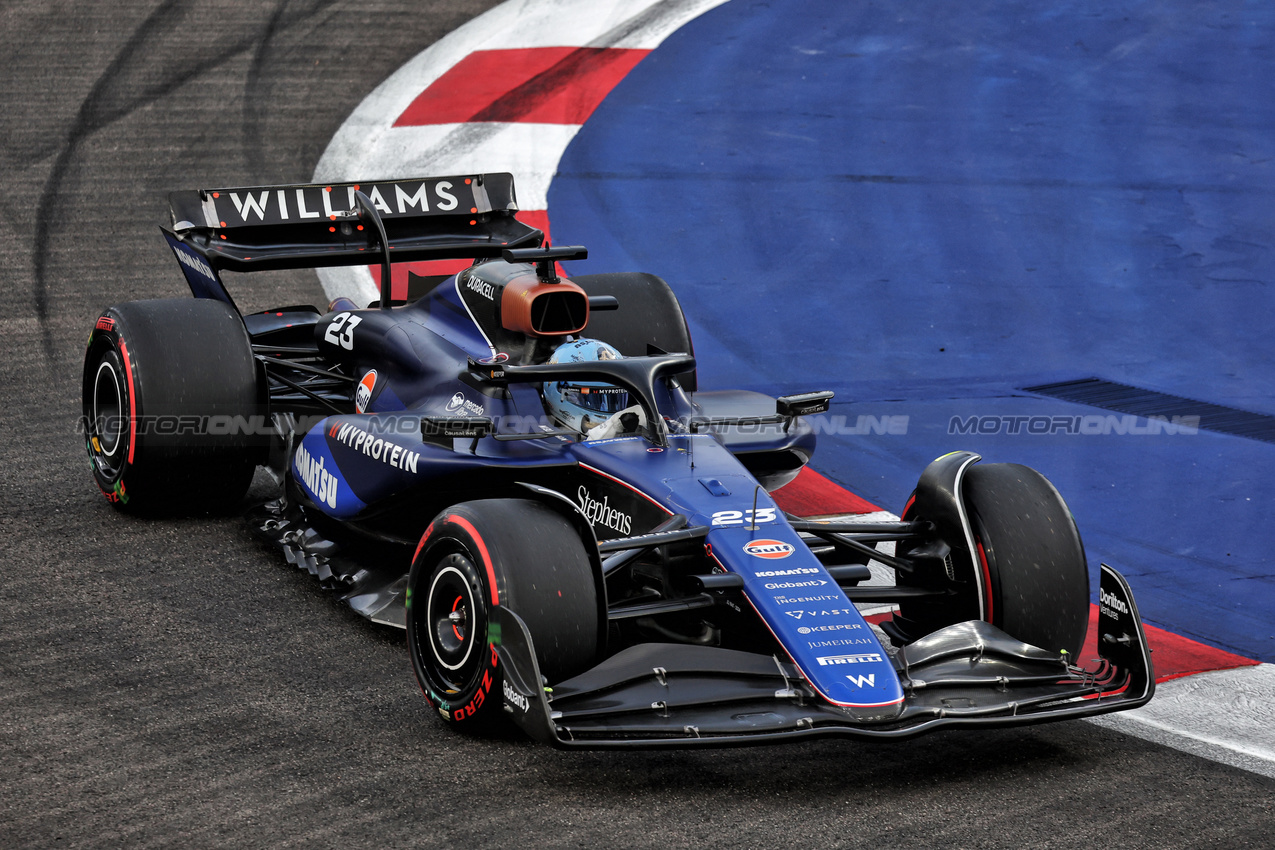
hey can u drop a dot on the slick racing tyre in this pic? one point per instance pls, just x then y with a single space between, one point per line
474 557
170 391
1029 564
649 314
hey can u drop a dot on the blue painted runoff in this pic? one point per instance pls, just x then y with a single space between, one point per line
927 206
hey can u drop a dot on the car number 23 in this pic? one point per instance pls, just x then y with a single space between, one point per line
341 331
741 517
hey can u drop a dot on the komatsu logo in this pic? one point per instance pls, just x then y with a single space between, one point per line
796 571
1112 604
195 264
321 483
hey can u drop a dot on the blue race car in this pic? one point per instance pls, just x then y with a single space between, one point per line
520 470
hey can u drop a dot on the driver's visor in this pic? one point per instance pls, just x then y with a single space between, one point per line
600 399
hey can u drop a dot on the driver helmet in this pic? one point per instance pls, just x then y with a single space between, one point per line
582 405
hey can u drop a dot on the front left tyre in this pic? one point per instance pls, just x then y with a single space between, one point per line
474 558
172 410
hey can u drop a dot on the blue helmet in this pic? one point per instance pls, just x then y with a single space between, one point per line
580 405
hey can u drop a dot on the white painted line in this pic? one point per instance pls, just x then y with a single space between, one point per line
1226 716
369 147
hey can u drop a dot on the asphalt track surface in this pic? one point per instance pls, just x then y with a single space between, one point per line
173 682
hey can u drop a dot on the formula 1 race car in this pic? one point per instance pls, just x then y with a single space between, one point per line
520 471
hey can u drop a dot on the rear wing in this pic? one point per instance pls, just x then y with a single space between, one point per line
341 224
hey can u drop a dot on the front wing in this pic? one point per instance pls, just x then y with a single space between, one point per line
967 675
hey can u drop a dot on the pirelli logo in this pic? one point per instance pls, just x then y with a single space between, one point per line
835 660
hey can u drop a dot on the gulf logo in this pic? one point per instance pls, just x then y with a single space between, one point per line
363 394
771 550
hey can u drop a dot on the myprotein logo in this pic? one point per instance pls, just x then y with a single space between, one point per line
771 550
377 448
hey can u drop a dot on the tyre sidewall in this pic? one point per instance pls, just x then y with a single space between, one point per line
476 699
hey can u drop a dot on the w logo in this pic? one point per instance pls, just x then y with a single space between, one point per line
868 681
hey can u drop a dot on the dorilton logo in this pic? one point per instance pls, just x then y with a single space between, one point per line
1114 604
769 549
601 513
321 483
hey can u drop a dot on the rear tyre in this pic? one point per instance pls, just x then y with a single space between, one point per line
168 387
1029 564
649 314
474 558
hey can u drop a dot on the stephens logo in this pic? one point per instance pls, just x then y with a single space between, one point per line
363 394
600 513
771 550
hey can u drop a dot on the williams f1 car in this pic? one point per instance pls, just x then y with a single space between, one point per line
520 470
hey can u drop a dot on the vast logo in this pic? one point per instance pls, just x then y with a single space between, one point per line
363 394
321 483
769 549
601 513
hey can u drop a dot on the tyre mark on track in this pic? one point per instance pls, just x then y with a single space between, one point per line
125 87
257 83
